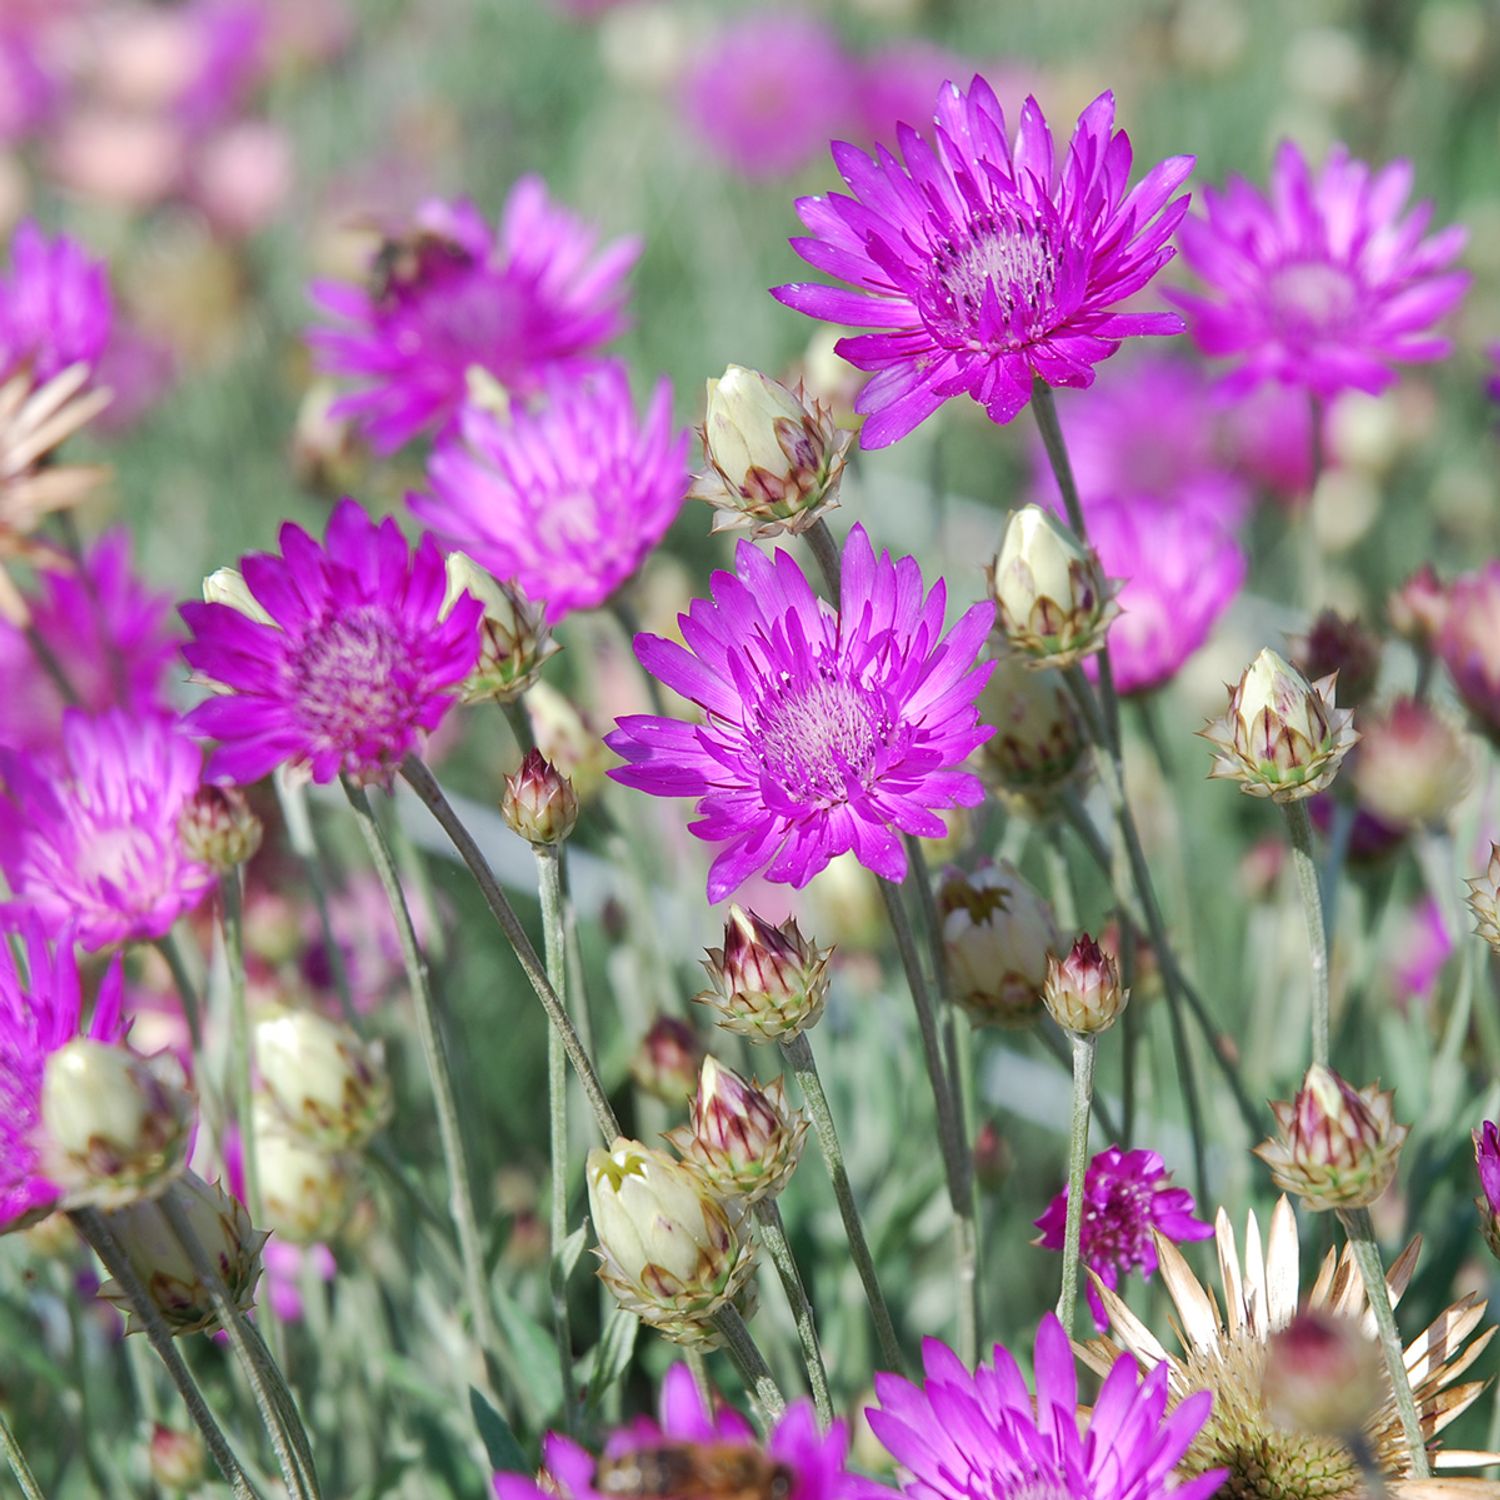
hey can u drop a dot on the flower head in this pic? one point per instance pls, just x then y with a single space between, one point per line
55 307
322 1081
983 1436
1083 993
986 263
353 660
39 1015
1324 283
1039 745
539 803
88 838
826 730
451 294
566 499
1487 1165
769 983
1484 900
1129 1204
515 642
1468 643
1413 766
999 935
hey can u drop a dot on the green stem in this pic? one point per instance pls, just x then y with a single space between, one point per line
799 1056
1084 1048
171 950
698 1369
772 1233
18 1465
825 552
751 1363
1300 828
520 725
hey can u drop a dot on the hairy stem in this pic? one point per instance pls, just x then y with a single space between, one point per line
1300 828
825 552
1084 1048
187 990
772 1234
751 1363
17 1461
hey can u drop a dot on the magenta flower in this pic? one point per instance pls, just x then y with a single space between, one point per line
1181 570
825 730
88 838
565 499
1423 950
769 92
352 662
28 91
455 295
230 43
1487 1161
55 308
896 86
37 1016
980 1437
1468 643
814 1463
1126 1196
985 263
1326 282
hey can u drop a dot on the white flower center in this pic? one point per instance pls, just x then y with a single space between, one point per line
821 736
1312 299
1000 254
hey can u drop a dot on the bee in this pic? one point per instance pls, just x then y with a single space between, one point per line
405 259
694 1471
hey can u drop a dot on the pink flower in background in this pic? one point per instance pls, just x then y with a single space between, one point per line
286 1267
454 295
1424 949
769 92
896 86
1126 1195
360 915
138 368
1468 643
37 1016
1326 282
1182 570
28 91
986 263
229 44
1269 438
88 838
55 307
566 498
826 730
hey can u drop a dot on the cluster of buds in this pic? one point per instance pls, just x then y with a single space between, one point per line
1343 647
1281 736
539 802
1039 745
1324 1376
1484 900
514 641
324 1083
1413 766
1083 993
666 1063
1054 603
776 455
1338 1147
219 828
769 983
999 936
1487 1164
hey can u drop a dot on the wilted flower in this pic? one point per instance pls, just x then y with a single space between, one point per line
539 804
219 828
1468 643
1129 1210
1322 284
667 1061
1083 993
999 935
986 264
668 1247
177 1458
1338 1148
1413 766
306 1191
827 730
1281 736
1487 1164
776 455
1484 900
1053 600
1324 1375
769 983
325 1082
1039 740
1342 646
514 641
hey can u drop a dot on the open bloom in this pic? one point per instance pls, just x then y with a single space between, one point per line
825 730
1324 283
982 1436
38 1016
986 262
88 838
452 295
55 308
566 499
1487 1164
347 660
1128 1203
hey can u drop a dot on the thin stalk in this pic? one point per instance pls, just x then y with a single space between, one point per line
698 1369
1052 1037
1084 1049
799 1056
1361 1234
772 1234
751 1363
1300 828
825 552
624 611
549 882
1131 1033
171 950
423 783
17 1461
520 725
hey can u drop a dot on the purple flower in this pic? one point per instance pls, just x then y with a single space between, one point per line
826 730
55 308
352 660
455 295
1181 570
1423 950
37 1016
88 838
898 84
769 91
1126 1196
1324 283
28 92
230 38
985 263
980 1437
565 499
814 1463
1487 1160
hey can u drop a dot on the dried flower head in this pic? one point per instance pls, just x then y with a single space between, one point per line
1416 609
1341 646
1468 644
769 983
667 1061
1039 745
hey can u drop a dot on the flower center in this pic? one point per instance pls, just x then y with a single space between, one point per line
124 857
993 283
350 682
1040 1489
1117 1229
1312 300
820 737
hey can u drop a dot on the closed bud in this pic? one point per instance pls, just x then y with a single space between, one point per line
1416 609
999 935
670 1250
1338 1147
1338 645
514 638
325 1083
177 1458
1083 992
1281 736
769 983
539 804
306 1193
1039 741
1413 766
776 456
227 586
1324 1376
666 1063
1484 900
165 1266
1487 1164
1054 602
743 1139
218 828
116 1127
